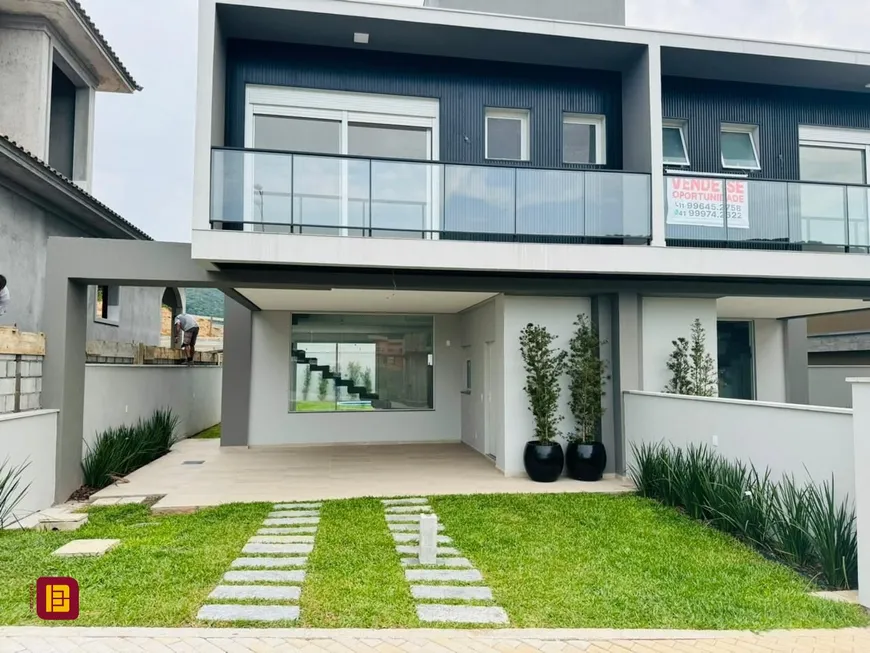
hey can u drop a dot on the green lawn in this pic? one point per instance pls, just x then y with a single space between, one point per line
158 576
354 577
326 407
212 433
557 560
593 561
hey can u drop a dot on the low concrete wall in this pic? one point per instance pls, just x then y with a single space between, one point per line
122 394
809 442
31 436
828 386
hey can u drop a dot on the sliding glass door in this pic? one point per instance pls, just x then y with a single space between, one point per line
353 171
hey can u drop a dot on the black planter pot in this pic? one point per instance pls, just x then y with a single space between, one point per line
543 462
586 461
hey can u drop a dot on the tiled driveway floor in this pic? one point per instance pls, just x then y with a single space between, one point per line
272 474
190 640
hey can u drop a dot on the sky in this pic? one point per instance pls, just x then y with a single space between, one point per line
143 158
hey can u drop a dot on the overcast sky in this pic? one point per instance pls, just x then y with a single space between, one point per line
144 142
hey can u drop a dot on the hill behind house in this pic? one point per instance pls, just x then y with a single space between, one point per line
207 302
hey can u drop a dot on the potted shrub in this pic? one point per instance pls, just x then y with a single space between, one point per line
543 457
586 457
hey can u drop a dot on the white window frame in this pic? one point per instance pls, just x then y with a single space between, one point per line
841 139
679 125
523 115
346 107
599 122
734 128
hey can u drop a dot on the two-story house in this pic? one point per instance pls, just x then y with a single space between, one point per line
417 183
53 62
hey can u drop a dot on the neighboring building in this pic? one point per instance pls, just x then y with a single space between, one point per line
53 61
391 193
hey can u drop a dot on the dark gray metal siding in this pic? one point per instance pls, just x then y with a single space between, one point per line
777 110
464 87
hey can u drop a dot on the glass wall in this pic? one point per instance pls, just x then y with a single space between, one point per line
361 362
736 360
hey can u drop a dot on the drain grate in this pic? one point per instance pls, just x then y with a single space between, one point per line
193 462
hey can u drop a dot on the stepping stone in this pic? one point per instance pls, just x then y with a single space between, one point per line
414 550
455 563
271 576
297 506
269 562
296 530
415 537
458 592
264 592
282 539
403 518
107 501
277 548
413 527
90 548
248 613
291 521
414 510
405 502
462 614
426 575
294 513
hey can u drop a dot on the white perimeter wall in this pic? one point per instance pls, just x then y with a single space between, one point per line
828 385
121 394
271 422
558 314
31 436
664 320
805 441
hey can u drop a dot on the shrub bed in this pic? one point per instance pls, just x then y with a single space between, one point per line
803 526
118 451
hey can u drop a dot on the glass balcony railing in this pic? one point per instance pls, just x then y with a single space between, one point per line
278 192
760 214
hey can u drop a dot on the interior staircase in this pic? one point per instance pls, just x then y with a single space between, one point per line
301 357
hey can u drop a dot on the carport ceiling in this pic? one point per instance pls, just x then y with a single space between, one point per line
346 300
783 307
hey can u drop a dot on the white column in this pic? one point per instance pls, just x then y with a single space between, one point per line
861 454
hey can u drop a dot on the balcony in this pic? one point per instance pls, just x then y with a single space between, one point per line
762 214
289 193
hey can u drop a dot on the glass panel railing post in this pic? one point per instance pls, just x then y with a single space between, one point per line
516 193
724 185
292 192
846 216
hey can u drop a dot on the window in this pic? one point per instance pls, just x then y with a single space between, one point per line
107 307
674 151
740 147
736 360
361 363
507 134
62 123
583 139
837 165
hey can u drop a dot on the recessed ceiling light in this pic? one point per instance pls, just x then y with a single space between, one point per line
361 37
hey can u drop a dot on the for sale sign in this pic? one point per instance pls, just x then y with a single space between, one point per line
700 202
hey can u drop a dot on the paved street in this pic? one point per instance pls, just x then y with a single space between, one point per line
200 640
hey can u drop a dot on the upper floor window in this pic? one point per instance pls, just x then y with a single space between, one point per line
740 147
674 151
583 139
507 134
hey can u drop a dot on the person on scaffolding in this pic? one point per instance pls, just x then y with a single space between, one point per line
186 330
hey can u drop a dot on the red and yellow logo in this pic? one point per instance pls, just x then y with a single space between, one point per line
57 598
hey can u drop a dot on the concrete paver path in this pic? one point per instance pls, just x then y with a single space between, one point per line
262 640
